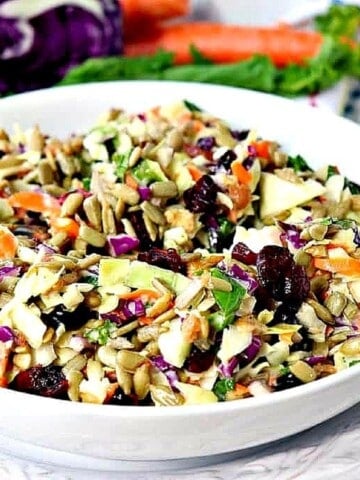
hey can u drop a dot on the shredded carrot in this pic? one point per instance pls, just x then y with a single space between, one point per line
35 202
130 181
195 172
8 244
65 225
262 148
240 195
241 389
240 172
145 320
343 265
141 292
223 43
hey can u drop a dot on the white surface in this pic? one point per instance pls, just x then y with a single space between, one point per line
112 433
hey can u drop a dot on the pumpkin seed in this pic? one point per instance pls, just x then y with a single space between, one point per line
336 302
303 371
129 361
164 189
153 212
71 204
92 211
141 381
92 236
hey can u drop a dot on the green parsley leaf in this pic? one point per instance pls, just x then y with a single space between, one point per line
298 164
354 362
332 170
228 302
92 279
223 386
86 183
191 106
353 187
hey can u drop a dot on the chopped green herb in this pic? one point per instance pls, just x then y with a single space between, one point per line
86 183
353 187
148 171
345 223
121 161
91 279
191 106
354 362
298 164
228 302
223 386
284 370
101 334
332 170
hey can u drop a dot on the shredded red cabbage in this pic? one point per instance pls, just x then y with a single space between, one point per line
9 271
315 360
122 243
247 280
291 234
134 308
44 41
248 355
144 192
165 367
227 369
6 334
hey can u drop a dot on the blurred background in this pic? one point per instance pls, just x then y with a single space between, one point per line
306 49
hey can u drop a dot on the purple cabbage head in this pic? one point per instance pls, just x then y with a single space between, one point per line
40 42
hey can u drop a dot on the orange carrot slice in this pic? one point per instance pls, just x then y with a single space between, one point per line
36 202
240 172
227 43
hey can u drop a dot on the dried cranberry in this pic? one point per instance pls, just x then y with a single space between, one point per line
287 381
278 273
201 197
226 159
305 344
72 320
169 259
285 313
239 134
242 253
120 398
137 221
46 381
195 150
206 143
199 361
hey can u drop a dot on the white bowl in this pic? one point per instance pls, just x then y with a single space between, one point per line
109 433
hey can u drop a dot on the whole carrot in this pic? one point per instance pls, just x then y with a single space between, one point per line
138 14
228 43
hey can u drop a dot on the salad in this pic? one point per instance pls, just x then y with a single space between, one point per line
163 258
